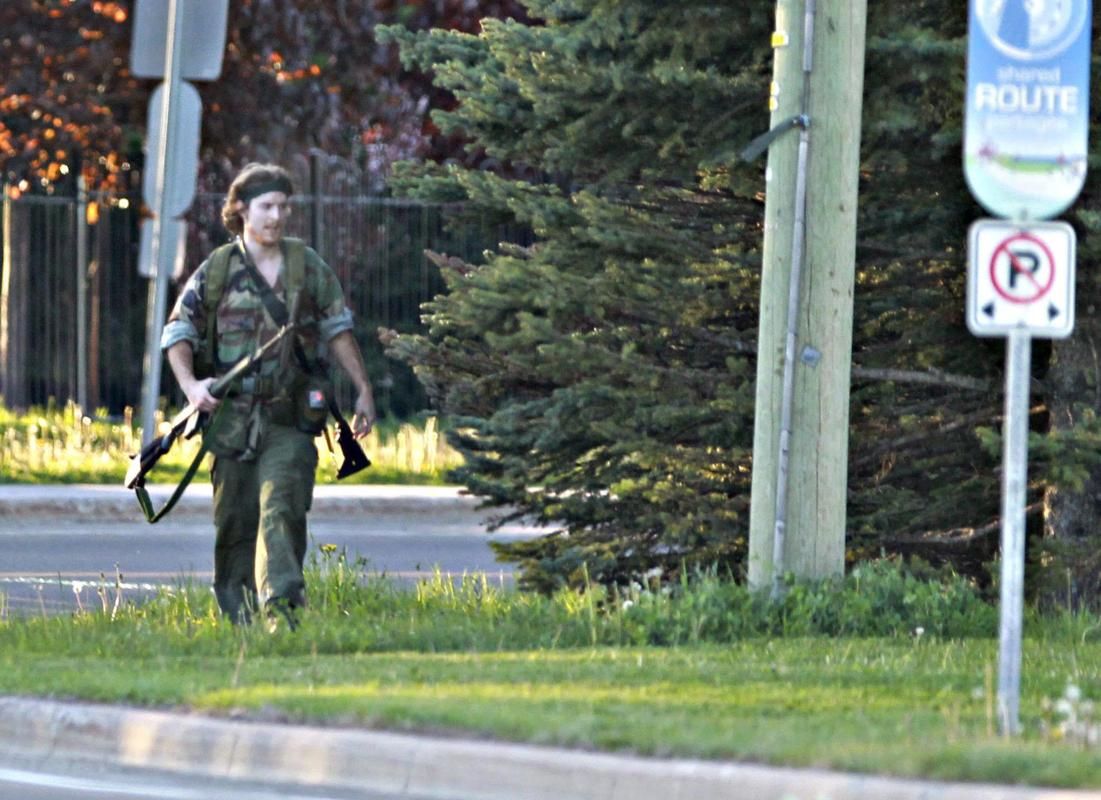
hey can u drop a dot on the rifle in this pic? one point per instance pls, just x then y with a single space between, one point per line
354 458
190 420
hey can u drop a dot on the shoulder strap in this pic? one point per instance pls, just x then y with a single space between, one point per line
218 270
294 278
294 268
217 274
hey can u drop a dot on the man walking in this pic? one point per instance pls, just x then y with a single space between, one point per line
262 434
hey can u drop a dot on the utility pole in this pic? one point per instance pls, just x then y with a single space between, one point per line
801 435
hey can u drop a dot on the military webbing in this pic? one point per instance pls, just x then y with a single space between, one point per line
294 278
277 309
294 275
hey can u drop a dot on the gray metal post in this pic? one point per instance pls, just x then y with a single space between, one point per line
316 224
6 388
81 294
1018 362
158 287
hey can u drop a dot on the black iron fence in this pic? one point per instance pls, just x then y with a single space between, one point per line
73 306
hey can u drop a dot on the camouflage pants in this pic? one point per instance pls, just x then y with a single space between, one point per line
260 510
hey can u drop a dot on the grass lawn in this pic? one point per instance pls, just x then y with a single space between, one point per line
63 445
582 670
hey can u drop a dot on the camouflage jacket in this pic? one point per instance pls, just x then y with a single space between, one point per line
243 323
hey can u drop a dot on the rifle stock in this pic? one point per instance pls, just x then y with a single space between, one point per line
354 457
190 420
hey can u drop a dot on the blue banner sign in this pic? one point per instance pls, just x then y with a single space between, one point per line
1027 117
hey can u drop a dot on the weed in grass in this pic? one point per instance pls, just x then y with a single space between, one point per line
1071 719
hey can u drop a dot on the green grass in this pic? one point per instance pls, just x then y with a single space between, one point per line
700 668
63 445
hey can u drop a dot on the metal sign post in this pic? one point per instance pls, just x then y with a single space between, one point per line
158 290
1020 285
173 145
1025 146
1018 368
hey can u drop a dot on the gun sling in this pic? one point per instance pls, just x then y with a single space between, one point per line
146 502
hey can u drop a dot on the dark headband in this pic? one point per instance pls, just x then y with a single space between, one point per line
279 183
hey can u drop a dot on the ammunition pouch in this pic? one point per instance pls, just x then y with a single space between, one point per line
304 405
239 434
312 398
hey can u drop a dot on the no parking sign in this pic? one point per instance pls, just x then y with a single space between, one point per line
1021 277
1026 126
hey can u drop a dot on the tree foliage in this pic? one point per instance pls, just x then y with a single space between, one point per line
603 376
296 75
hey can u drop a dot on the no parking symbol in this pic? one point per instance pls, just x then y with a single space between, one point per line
1022 268
1021 277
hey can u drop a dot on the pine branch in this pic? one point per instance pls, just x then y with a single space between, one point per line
896 252
957 538
932 377
923 437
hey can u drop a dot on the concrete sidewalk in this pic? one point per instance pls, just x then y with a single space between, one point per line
116 502
408 766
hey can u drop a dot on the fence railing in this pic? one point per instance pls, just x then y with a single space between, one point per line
73 306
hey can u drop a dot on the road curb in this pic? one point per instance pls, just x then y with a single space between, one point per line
116 503
411 766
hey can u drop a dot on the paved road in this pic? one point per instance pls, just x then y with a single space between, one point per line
57 780
54 558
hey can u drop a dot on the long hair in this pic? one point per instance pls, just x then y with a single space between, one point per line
252 181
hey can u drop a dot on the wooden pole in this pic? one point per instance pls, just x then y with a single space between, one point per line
812 489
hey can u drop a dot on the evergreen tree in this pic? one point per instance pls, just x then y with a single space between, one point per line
601 378
1069 555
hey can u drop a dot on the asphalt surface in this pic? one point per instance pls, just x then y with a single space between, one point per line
65 549
338 762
